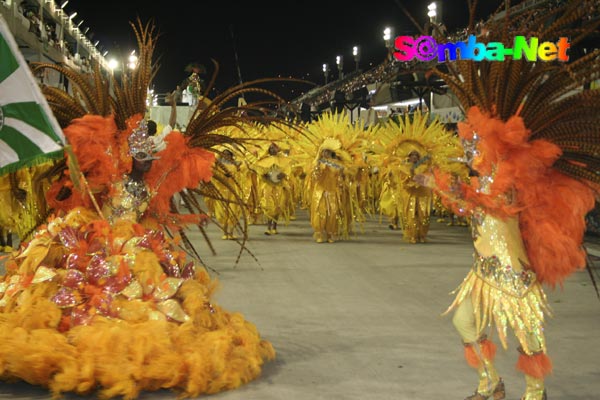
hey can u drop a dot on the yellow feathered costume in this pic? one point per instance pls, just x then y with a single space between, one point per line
274 172
405 148
334 149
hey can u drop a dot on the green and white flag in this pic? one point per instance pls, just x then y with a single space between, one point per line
29 133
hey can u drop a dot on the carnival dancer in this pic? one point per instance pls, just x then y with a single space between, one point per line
101 298
531 135
334 147
274 170
409 147
227 210
389 201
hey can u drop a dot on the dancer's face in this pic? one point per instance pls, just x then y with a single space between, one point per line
328 154
142 166
273 149
414 157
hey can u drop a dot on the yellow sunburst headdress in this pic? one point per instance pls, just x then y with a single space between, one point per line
415 132
334 132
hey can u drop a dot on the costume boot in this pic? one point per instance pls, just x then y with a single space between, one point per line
535 389
480 355
535 366
318 237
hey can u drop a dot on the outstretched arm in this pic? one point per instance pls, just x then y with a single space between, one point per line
173 103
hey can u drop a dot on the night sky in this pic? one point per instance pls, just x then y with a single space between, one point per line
272 38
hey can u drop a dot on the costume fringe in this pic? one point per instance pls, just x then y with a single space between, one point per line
525 315
487 349
536 365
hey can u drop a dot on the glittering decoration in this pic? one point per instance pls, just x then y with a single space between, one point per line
139 141
65 297
133 291
80 315
173 310
167 288
130 201
43 274
512 282
503 291
68 237
104 266
74 279
96 270
189 271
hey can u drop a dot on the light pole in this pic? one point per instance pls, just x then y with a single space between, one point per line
432 12
356 55
387 37
326 71
339 60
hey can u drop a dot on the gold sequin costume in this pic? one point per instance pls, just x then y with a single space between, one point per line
533 128
389 201
414 203
501 288
330 204
409 147
332 151
274 188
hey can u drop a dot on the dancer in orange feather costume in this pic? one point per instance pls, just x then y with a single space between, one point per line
102 299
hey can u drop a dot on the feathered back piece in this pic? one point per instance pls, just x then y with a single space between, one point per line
547 95
132 90
91 91
90 94
221 113
537 131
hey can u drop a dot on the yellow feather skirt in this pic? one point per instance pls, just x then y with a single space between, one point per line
88 307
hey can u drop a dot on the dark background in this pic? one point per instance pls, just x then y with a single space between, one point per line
271 38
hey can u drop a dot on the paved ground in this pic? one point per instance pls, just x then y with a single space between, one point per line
361 319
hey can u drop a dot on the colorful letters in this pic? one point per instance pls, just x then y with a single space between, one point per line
425 48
